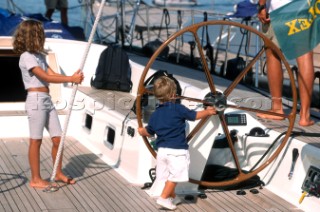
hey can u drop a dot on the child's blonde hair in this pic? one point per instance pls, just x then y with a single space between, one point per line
29 36
164 89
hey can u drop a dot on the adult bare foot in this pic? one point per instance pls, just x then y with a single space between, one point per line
273 117
65 179
306 123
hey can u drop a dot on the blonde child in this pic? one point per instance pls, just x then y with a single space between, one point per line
168 122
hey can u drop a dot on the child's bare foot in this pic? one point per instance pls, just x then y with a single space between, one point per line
65 179
306 123
273 117
41 184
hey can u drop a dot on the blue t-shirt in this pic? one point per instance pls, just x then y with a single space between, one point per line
168 122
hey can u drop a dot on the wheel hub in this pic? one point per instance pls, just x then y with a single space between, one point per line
217 100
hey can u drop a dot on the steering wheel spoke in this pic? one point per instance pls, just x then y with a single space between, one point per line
243 73
230 142
197 128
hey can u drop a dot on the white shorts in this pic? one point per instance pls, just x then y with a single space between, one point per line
173 165
56 4
42 114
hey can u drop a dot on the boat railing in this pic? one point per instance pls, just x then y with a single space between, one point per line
151 23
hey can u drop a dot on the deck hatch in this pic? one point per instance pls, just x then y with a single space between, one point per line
109 136
88 121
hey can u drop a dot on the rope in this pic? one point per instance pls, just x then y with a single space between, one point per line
166 18
74 90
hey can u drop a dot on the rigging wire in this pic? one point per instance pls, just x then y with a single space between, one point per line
74 90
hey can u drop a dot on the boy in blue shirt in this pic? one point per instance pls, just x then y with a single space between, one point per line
168 122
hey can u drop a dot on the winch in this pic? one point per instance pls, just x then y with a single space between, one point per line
311 183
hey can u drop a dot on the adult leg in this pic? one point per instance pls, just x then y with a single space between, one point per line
49 13
34 161
305 81
50 5
275 80
64 16
59 174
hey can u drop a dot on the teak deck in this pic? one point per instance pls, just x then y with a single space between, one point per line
100 188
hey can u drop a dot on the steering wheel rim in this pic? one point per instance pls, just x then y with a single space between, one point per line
267 45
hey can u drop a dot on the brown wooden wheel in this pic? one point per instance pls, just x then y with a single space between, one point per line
219 100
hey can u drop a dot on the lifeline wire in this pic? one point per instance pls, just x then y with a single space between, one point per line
74 90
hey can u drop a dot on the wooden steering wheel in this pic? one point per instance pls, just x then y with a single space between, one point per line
219 100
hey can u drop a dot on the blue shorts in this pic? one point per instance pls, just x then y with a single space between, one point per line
42 114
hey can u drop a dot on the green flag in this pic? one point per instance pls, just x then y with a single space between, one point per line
297 27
